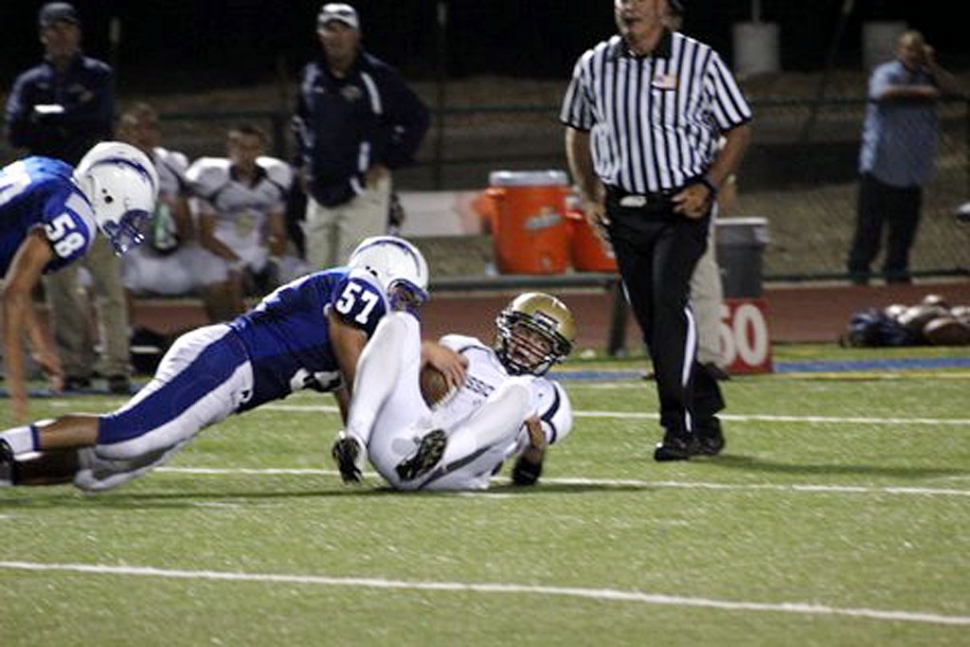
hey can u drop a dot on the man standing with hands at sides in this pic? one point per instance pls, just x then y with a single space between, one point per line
60 109
644 112
356 121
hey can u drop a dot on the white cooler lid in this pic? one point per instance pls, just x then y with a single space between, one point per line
528 178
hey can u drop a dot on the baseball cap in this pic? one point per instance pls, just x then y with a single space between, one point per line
53 12
340 12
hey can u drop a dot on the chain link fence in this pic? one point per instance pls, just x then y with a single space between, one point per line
799 173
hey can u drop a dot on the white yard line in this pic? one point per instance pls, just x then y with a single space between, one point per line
639 415
605 483
605 595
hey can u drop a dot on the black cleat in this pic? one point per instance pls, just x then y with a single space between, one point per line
6 453
346 451
429 452
676 446
710 438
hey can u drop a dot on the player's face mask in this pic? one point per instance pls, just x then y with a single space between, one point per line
406 297
528 347
535 331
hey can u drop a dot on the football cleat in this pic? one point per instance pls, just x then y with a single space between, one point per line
6 452
427 455
348 452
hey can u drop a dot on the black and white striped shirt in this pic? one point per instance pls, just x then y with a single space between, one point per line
655 120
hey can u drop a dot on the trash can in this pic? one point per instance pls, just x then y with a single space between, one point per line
740 246
529 228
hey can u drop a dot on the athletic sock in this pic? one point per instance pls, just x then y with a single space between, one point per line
378 371
21 440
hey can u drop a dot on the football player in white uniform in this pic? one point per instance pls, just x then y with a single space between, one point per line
501 404
240 206
167 263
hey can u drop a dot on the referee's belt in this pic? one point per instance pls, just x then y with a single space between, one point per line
638 200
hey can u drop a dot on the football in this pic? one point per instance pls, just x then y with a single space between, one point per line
434 386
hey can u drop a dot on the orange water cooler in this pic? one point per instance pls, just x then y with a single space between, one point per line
587 252
528 221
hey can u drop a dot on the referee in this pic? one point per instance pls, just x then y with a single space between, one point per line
644 112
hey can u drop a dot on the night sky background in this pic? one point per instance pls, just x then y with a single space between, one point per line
180 45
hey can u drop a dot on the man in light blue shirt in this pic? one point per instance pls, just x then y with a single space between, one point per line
897 156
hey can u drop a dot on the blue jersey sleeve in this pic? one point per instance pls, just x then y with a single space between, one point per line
359 302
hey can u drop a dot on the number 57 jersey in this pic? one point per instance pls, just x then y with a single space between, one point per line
287 336
40 191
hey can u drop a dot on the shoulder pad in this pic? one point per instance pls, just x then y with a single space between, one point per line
207 175
278 171
458 342
174 159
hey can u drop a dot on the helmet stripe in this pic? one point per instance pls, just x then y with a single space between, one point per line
135 166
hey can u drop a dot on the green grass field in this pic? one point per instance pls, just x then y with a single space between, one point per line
839 514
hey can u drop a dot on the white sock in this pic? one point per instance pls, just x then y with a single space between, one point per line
378 371
21 440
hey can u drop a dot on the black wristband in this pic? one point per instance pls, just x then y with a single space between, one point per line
525 472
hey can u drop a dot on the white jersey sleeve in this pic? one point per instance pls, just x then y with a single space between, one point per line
171 167
553 408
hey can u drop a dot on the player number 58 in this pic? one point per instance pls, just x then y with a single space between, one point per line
63 234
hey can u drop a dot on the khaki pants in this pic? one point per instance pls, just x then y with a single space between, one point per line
332 233
707 295
70 314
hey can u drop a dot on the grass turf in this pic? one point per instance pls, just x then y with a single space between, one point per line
838 515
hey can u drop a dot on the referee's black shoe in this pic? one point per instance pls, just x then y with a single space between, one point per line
677 445
709 439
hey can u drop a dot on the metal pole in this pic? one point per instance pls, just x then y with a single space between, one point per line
114 42
441 99
809 126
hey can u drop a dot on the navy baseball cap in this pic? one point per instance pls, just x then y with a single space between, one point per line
54 12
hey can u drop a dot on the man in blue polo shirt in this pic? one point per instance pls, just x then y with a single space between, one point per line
897 156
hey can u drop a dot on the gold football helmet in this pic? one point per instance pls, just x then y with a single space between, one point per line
535 331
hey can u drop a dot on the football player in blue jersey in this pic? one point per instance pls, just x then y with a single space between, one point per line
307 334
49 215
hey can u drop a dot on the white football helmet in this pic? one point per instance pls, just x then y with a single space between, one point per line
535 331
122 185
398 266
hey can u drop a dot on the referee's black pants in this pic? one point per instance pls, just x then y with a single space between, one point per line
656 251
